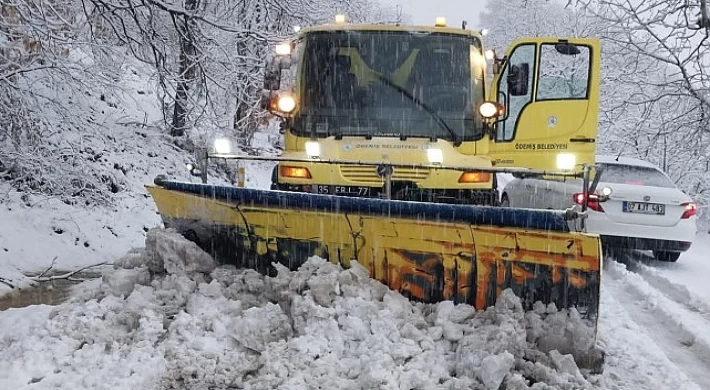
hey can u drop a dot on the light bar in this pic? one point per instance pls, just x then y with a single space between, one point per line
283 49
440 21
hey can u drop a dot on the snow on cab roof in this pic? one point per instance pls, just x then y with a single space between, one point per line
624 160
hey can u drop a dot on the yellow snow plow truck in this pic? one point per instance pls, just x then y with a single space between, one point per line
393 139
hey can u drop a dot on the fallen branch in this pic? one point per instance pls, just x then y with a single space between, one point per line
54 260
68 275
5 282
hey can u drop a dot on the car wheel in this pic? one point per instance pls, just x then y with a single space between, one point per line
504 201
666 256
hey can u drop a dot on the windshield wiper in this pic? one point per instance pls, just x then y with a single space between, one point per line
421 104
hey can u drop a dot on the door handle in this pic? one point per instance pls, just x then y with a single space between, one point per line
584 140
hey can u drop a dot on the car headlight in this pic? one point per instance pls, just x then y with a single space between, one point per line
222 146
312 149
566 161
435 156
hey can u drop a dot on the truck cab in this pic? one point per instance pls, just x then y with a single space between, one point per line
405 112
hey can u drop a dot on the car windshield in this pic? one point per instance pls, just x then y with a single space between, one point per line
634 175
355 83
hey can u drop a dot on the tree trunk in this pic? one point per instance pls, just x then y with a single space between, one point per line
188 53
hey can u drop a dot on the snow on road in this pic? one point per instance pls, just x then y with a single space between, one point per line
668 318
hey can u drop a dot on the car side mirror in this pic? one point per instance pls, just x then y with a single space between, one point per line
518 79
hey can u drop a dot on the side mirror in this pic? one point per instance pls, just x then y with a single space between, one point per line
272 80
567 48
518 79
272 75
498 63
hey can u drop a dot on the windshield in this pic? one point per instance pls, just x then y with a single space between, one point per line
634 175
356 83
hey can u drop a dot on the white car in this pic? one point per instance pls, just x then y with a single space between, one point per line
644 210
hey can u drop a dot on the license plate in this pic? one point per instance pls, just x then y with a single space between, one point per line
345 190
644 208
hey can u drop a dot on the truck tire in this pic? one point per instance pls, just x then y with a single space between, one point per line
275 178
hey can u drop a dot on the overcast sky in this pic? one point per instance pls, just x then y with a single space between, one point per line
425 11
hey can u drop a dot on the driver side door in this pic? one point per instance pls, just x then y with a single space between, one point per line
550 89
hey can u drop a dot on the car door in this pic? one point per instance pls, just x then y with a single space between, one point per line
535 190
516 193
550 89
554 193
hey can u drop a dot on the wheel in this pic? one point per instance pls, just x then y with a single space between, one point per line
504 201
666 256
275 178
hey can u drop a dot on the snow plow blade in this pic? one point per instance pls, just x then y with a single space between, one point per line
428 252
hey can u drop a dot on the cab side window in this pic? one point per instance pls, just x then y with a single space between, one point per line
564 72
516 88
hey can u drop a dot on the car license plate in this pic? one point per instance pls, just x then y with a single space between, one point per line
644 208
345 190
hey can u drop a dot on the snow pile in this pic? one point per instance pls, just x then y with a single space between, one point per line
159 322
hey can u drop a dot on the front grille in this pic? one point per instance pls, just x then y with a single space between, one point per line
367 174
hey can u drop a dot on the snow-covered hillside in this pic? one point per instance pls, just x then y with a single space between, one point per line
129 148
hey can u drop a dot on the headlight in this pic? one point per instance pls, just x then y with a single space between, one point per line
222 146
566 161
312 148
488 110
435 156
286 103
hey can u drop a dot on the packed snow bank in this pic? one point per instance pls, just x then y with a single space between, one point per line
159 321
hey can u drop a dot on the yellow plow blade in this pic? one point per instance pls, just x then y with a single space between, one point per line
428 252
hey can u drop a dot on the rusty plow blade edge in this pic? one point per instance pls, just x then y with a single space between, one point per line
428 252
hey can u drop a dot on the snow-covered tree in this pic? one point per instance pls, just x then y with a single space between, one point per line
59 57
665 44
